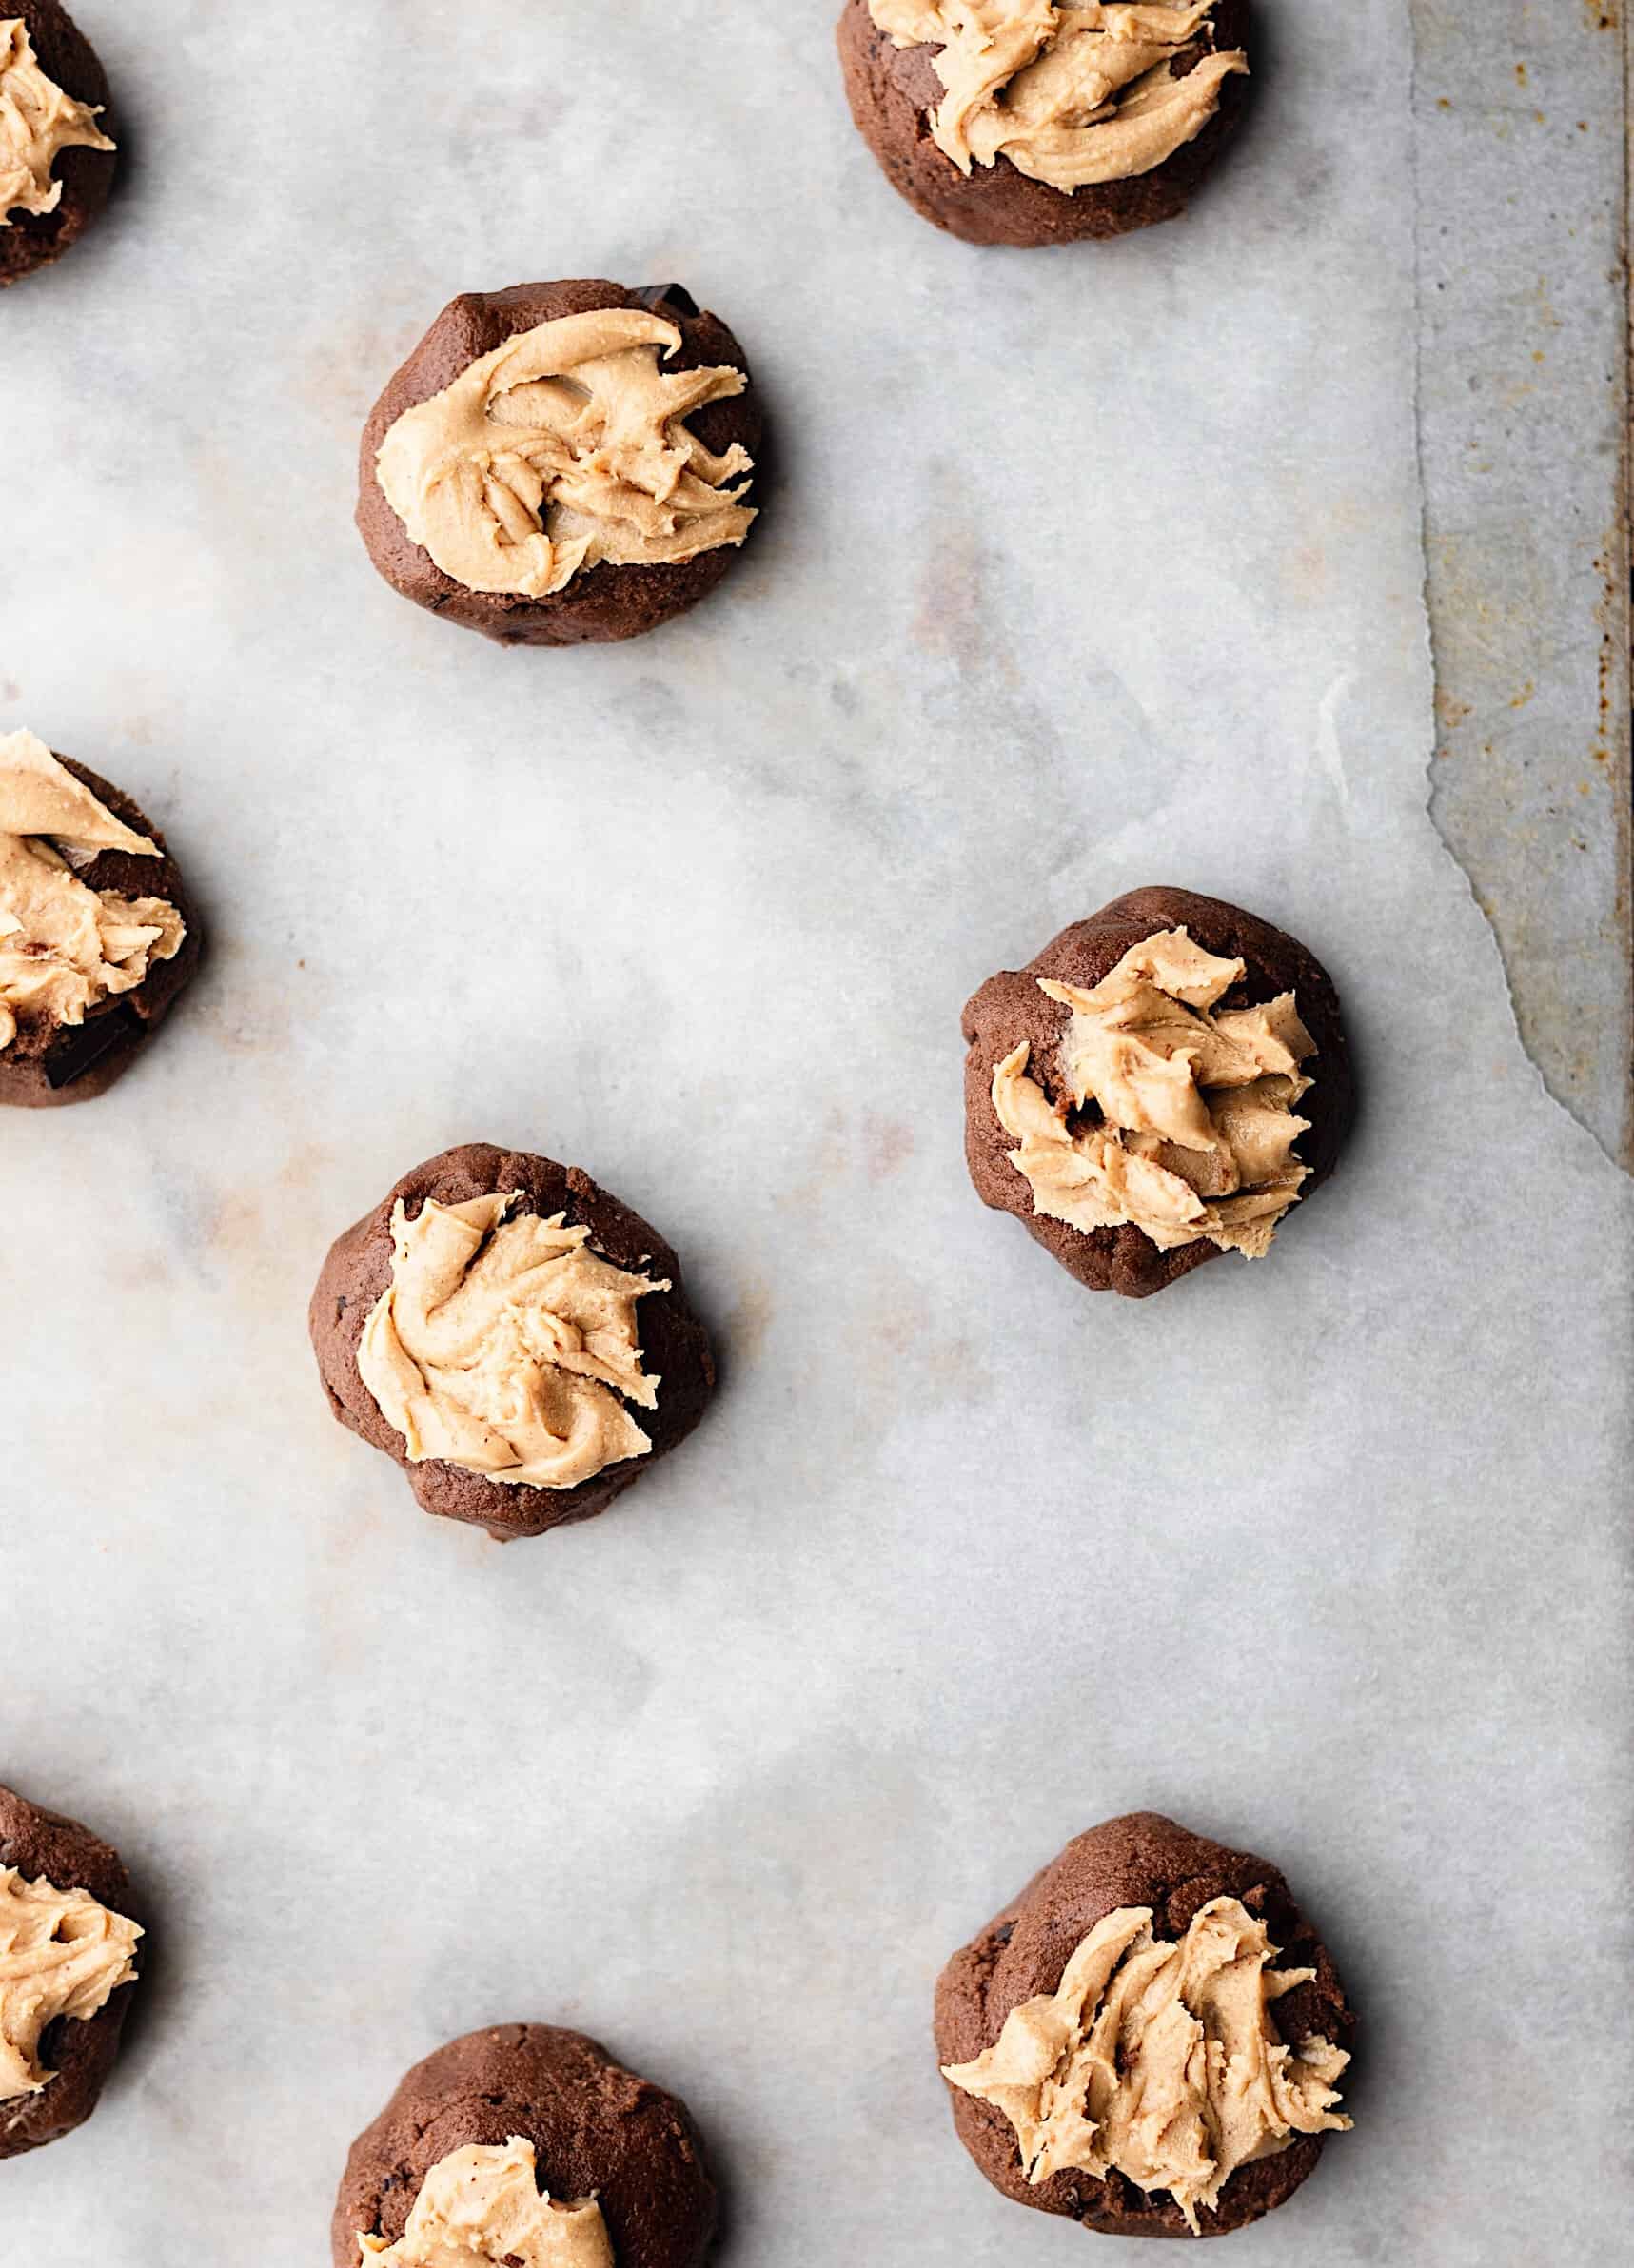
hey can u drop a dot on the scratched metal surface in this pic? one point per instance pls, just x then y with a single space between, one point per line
1522 112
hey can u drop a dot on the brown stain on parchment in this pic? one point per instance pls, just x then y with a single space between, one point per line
749 1321
888 1146
250 1224
951 620
830 1159
954 617
254 1012
879 1144
341 380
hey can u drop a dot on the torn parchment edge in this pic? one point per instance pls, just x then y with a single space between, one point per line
1614 1134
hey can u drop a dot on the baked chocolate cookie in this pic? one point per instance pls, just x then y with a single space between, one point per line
98 935
1138 1943
1161 1084
68 1949
515 1337
57 144
489 2122
1046 124
562 464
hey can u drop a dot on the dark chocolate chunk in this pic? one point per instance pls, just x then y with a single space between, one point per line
654 296
73 1055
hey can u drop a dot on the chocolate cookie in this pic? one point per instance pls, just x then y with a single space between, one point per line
57 88
1186 1888
1013 1020
503 1344
40 1848
591 2131
583 487
900 105
44 1059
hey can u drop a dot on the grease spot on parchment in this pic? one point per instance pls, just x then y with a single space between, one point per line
953 618
828 1160
246 1026
247 1226
889 1145
749 1321
340 378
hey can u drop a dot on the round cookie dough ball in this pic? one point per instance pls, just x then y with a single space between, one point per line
527 2130
69 1952
56 141
562 464
1049 126
1163 1083
1145 1938
98 936
513 1336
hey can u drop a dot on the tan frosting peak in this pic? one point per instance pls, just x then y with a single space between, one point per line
1069 95
1196 1125
1160 2061
565 446
37 120
61 1953
479 2207
63 947
503 1346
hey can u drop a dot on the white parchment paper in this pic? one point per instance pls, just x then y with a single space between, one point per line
1081 570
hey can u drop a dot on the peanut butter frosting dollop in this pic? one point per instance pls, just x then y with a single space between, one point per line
37 121
566 447
63 947
1160 2061
61 1953
506 1346
1071 96
479 2207
1197 1126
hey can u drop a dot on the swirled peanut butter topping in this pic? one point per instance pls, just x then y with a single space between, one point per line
504 1346
1160 2061
1070 95
1195 1126
37 121
61 1953
63 947
566 447
479 2207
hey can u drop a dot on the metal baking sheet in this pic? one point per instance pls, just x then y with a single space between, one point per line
1523 189
1079 572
